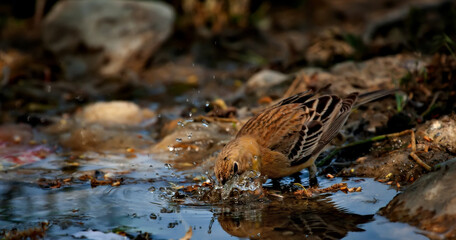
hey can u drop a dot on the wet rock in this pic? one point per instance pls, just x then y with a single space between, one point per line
115 113
105 36
104 126
263 81
429 203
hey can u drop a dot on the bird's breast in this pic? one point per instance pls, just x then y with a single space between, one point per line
276 165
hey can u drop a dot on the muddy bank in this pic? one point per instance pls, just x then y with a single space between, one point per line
390 160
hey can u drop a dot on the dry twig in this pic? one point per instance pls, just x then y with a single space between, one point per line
419 161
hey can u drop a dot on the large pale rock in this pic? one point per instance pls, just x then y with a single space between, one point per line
106 36
115 113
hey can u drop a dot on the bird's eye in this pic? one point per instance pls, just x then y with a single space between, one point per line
235 168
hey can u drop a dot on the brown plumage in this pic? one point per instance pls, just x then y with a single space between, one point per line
288 136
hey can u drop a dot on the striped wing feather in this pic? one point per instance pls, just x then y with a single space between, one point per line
272 126
301 126
327 109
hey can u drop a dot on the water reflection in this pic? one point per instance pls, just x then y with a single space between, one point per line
291 218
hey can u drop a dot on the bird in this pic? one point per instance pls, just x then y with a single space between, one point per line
288 136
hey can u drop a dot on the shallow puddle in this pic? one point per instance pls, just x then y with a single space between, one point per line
146 201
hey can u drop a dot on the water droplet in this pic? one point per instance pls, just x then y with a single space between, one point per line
167 165
189 135
159 115
170 148
187 100
190 114
207 103
178 139
151 189
205 123
180 123
48 88
153 216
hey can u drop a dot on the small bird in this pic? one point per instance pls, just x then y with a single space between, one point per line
288 136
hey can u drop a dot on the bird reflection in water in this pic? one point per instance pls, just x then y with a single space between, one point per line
290 218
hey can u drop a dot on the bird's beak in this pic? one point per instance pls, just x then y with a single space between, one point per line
256 164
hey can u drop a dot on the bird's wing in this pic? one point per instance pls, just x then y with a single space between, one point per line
302 125
336 120
327 109
274 124
285 117
294 126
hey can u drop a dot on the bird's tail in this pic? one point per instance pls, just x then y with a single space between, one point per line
374 95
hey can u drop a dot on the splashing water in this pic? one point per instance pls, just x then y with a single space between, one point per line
247 186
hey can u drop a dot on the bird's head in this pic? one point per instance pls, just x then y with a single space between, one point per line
238 156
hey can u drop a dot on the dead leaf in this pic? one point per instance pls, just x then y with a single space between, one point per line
188 235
